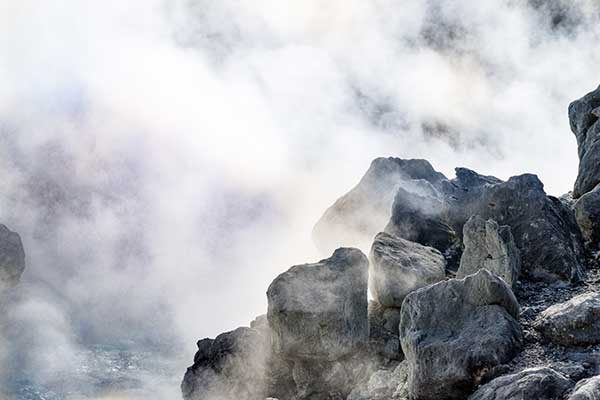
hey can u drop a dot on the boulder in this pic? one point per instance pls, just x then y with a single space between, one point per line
544 228
231 366
536 383
355 218
384 340
587 389
587 214
385 384
12 257
573 323
319 311
399 267
454 331
490 246
583 118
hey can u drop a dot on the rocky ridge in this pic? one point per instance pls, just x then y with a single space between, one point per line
482 289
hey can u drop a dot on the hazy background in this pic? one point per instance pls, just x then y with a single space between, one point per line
164 160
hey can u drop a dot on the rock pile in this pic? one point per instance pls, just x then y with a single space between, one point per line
443 322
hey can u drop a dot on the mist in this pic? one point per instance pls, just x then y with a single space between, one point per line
163 161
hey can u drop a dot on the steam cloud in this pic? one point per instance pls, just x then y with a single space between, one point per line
163 161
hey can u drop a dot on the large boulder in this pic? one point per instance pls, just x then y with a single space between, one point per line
587 214
587 389
544 228
319 311
385 384
384 339
452 332
583 118
489 246
231 366
535 383
573 323
355 218
399 267
12 257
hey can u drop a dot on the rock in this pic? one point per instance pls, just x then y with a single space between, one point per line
399 267
587 389
12 257
587 214
573 323
319 311
453 332
583 117
423 218
233 365
355 218
384 340
384 385
489 246
535 383
544 228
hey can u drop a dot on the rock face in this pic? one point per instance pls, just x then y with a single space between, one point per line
583 118
587 214
587 389
12 257
489 246
233 365
399 267
319 310
355 218
572 323
535 383
384 339
454 331
384 385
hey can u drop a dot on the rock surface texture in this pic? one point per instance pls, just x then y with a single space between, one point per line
399 267
489 246
587 389
536 383
453 332
12 257
573 323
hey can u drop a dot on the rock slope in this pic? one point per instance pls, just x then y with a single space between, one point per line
482 289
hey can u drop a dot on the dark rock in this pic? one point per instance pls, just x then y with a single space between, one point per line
384 340
453 332
587 214
573 323
233 365
12 257
319 311
583 117
535 383
489 246
587 389
355 218
399 267
385 384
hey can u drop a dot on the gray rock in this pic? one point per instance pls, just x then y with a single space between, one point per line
587 389
233 365
489 246
573 323
385 384
587 214
544 228
384 339
535 383
399 267
583 117
453 332
355 218
319 311
12 257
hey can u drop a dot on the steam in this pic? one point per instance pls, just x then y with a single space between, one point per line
163 161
